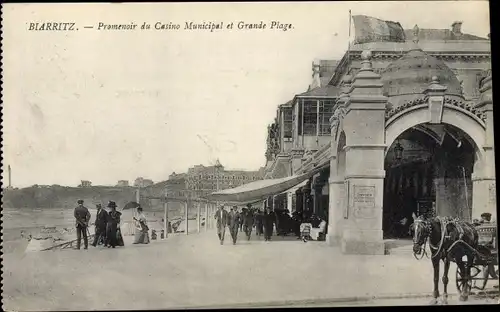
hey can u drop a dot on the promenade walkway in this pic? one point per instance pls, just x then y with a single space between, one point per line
196 271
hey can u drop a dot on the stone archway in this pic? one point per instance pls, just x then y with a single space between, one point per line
430 175
472 125
456 189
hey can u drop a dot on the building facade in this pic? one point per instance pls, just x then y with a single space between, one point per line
85 183
202 180
122 183
399 127
141 182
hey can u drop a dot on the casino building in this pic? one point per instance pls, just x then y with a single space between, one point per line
391 129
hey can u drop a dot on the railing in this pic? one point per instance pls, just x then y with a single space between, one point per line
317 159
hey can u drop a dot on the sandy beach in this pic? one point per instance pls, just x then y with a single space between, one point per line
33 220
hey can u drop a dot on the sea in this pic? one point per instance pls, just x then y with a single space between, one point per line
31 221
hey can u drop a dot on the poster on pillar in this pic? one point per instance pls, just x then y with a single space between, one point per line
364 201
492 193
346 200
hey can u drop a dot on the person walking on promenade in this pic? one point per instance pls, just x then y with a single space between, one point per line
142 229
259 223
243 213
234 223
248 220
222 217
113 225
82 217
269 220
101 219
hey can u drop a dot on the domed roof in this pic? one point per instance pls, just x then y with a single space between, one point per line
409 76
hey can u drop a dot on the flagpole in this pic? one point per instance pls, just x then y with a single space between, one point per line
349 44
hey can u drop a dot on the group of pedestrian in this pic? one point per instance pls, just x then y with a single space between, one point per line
247 220
107 226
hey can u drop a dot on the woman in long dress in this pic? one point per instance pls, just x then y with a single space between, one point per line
114 236
269 219
141 228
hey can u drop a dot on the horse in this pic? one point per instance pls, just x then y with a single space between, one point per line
449 240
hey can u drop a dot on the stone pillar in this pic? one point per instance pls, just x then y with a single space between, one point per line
483 178
364 127
442 201
316 194
336 211
299 201
336 206
307 203
435 96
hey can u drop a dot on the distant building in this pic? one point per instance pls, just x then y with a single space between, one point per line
85 183
122 183
141 182
203 180
176 185
176 188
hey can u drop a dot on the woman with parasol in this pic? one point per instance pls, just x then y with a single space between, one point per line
142 229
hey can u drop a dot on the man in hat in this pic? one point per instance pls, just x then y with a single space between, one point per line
101 219
222 217
485 218
269 220
112 225
248 221
82 217
234 223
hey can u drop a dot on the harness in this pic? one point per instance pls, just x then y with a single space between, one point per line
438 250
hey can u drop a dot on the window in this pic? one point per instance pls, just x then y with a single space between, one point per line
298 123
325 112
310 117
287 122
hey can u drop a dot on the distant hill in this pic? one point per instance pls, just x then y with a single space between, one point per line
56 196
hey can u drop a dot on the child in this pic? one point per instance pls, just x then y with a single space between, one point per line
305 230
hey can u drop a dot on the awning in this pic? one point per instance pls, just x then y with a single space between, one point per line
260 190
296 187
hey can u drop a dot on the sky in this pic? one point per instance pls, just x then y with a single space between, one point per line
110 105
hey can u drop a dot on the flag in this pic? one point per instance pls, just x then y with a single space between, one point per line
370 29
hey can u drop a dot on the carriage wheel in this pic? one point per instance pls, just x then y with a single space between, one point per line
486 275
461 281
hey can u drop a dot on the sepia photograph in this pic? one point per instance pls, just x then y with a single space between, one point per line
225 155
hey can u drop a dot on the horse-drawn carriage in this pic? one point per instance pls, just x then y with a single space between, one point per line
472 247
485 265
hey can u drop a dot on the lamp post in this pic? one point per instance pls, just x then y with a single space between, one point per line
398 151
165 217
218 166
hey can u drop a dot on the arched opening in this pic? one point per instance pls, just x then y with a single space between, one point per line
428 172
